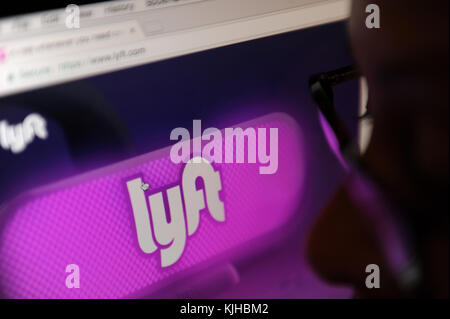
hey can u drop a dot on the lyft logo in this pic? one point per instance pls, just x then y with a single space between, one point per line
17 137
170 234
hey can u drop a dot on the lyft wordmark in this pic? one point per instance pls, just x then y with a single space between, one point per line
16 137
171 235
235 142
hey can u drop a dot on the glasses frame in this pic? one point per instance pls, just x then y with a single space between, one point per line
321 88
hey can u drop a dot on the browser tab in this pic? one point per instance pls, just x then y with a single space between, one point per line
119 8
52 18
20 25
68 41
156 4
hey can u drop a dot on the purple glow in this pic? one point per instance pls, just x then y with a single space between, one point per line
88 221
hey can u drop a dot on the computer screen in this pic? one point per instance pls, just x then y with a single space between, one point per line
167 149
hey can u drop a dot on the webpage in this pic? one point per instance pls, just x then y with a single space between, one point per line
177 165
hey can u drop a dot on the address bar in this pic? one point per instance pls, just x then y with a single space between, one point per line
15 78
73 41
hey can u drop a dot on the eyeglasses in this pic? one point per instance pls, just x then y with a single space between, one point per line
363 188
321 87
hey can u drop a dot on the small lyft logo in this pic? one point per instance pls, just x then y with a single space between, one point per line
17 137
171 235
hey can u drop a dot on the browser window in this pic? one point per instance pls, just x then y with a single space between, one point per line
167 149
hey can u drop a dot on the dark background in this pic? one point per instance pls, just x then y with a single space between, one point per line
9 8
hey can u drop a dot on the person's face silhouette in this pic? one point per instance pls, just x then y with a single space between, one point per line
406 64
